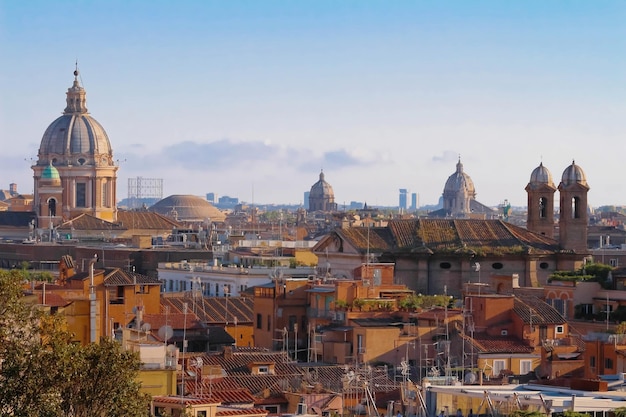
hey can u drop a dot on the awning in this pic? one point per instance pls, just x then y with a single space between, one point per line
321 290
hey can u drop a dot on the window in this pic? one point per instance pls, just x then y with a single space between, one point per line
543 203
81 194
292 321
504 332
116 295
497 265
359 343
263 370
525 366
377 277
498 366
592 361
445 265
259 321
559 329
544 265
576 208
608 363
105 194
52 207
613 262
201 413
559 305
269 323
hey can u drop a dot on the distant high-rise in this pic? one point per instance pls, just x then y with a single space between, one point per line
210 197
403 201
306 199
413 201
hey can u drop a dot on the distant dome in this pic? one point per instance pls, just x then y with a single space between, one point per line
573 174
188 208
459 181
541 175
322 189
75 138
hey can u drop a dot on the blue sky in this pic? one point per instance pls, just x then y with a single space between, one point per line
252 99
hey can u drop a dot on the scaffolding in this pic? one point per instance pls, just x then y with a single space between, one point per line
141 188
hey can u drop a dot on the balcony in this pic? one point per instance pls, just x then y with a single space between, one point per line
317 313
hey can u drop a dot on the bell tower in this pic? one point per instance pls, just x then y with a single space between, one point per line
573 217
540 191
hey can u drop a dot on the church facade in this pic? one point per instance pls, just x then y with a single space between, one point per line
75 172
437 255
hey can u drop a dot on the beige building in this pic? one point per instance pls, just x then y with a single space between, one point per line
75 172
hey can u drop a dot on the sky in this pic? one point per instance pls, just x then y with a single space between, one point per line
253 99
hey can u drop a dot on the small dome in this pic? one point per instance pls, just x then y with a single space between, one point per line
573 174
541 175
188 208
459 181
322 189
50 175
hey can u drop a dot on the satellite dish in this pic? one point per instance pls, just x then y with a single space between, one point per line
469 378
171 349
165 333
146 327
199 363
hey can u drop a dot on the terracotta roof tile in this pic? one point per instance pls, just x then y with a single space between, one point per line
446 235
503 344
542 313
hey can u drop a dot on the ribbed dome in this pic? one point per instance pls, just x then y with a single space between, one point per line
322 189
50 175
459 181
188 208
541 175
75 138
573 174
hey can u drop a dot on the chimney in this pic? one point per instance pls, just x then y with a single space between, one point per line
228 352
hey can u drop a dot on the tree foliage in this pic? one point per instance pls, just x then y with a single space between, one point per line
43 373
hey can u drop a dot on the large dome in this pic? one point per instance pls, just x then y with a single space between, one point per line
459 181
541 176
75 138
573 174
188 208
322 189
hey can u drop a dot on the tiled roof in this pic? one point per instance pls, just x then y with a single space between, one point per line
88 222
242 412
237 363
53 299
377 239
216 309
501 344
117 277
539 310
447 235
145 220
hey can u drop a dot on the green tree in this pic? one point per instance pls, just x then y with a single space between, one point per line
43 373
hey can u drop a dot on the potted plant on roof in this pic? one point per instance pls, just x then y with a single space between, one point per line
359 303
341 305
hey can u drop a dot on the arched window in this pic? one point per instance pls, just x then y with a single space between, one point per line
543 208
576 208
52 207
